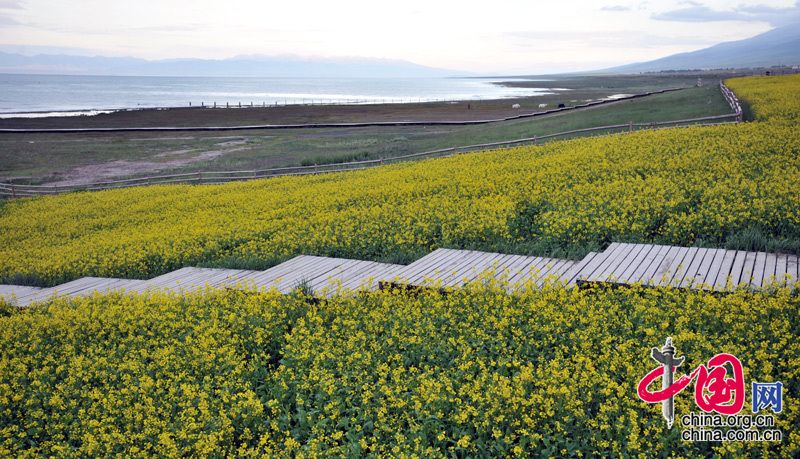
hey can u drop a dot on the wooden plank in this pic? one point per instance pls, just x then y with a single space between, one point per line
683 267
706 266
129 285
514 270
457 272
469 272
541 270
554 275
158 280
268 276
321 280
374 271
79 285
636 262
590 267
725 267
522 271
215 279
736 269
232 280
629 263
103 288
780 268
669 271
648 274
418 273
171 281
769 270
624 264
571 275
747 269
194 281
665 269
793 269
324 266
267 279
355 272
16 294
608 268
355 280
593 270
711 275
505 267
28 297
423 264
534 271
494 266
566 266
17 290
439 272
649 265
694 267
758 270
448 258
335 277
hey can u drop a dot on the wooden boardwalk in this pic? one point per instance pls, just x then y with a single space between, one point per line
322 275
447 268
690 267
622 264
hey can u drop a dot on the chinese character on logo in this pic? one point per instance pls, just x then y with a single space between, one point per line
714 390
768 395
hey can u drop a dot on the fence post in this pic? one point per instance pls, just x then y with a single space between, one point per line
630 126
13 191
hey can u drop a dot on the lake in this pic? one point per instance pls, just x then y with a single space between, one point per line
37 95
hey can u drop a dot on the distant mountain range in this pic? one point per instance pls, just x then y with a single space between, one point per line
244 66
779 46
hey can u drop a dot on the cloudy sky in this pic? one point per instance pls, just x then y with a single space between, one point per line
500 36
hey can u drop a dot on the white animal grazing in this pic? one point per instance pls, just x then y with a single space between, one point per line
542 105
516 106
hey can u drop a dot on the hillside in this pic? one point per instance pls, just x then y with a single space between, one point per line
780 46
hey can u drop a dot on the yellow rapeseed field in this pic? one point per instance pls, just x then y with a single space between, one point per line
473 373
712 185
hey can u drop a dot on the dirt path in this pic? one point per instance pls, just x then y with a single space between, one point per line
92 173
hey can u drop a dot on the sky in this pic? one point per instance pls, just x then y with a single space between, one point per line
487 37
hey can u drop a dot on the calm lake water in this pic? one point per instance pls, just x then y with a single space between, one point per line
73 95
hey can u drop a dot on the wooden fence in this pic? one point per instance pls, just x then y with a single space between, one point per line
216 177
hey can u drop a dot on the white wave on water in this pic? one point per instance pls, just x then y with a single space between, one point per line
54 114
33 96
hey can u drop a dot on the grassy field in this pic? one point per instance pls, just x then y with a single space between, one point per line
59 158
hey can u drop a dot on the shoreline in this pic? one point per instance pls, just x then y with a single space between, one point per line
543 111
233 115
